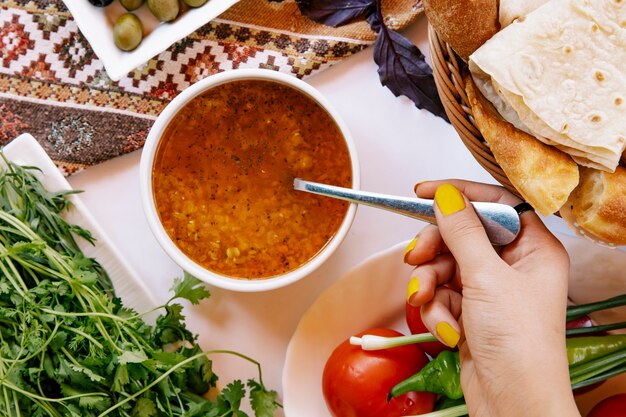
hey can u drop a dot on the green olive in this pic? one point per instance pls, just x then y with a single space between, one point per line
195 3
164 10
127 32
131 4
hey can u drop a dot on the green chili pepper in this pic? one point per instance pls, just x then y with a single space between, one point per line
596 354
584 349
442 376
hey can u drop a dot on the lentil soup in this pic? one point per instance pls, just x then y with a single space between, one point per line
223 178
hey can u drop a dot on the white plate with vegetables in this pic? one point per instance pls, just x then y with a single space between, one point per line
97 23
372 295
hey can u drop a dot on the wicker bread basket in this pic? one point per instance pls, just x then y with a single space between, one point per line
448 70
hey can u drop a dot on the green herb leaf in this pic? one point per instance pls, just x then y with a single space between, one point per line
120 379
129 356
171 327
145 407
190 288
231 396
263 402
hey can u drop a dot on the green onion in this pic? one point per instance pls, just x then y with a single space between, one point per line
373 342
596 367
601 377
574 312
579 331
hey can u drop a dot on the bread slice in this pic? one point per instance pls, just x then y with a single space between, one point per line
463 24
598 205
542 174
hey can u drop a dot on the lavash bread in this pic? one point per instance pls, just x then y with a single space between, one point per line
511 10
561 70
463 24
542 174
598 205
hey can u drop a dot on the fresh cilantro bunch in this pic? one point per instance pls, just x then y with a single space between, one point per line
68 347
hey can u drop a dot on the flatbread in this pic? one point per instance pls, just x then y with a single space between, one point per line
590 156
562 70
506 104
511 10
542 174
597 207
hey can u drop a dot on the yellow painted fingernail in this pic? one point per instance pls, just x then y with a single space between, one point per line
410 247
412 288
448 334
449 199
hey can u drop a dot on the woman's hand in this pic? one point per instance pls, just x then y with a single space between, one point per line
504 307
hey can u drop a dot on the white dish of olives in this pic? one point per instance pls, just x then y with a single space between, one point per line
143 31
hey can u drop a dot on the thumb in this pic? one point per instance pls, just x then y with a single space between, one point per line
461 229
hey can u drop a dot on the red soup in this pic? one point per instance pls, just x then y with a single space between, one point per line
223 178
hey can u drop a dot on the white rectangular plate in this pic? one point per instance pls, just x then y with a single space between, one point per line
24 150
96 24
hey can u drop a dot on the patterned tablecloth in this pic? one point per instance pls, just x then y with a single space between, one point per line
53 86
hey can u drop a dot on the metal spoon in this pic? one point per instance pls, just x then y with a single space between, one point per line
501 222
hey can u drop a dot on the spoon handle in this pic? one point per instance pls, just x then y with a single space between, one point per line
501 222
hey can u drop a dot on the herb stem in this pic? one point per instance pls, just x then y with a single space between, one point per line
36 352
85 335
16 402
21 289
85 314
52 400
7 403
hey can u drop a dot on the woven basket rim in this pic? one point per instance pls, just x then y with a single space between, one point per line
448 72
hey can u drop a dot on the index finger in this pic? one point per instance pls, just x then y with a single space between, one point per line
474 191
533 231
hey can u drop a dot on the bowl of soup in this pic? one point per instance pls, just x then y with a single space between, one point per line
217 173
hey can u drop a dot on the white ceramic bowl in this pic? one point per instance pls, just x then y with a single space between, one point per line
147 160
96 24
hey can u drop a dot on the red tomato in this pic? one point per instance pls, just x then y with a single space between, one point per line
356 382
614 406
584 321
416 326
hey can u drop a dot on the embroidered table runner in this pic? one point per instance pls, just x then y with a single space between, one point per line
53 86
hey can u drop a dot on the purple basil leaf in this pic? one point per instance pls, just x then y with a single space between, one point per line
335 12
403 69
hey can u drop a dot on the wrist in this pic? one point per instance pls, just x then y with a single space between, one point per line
543 399
553 402
545 393
543 386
